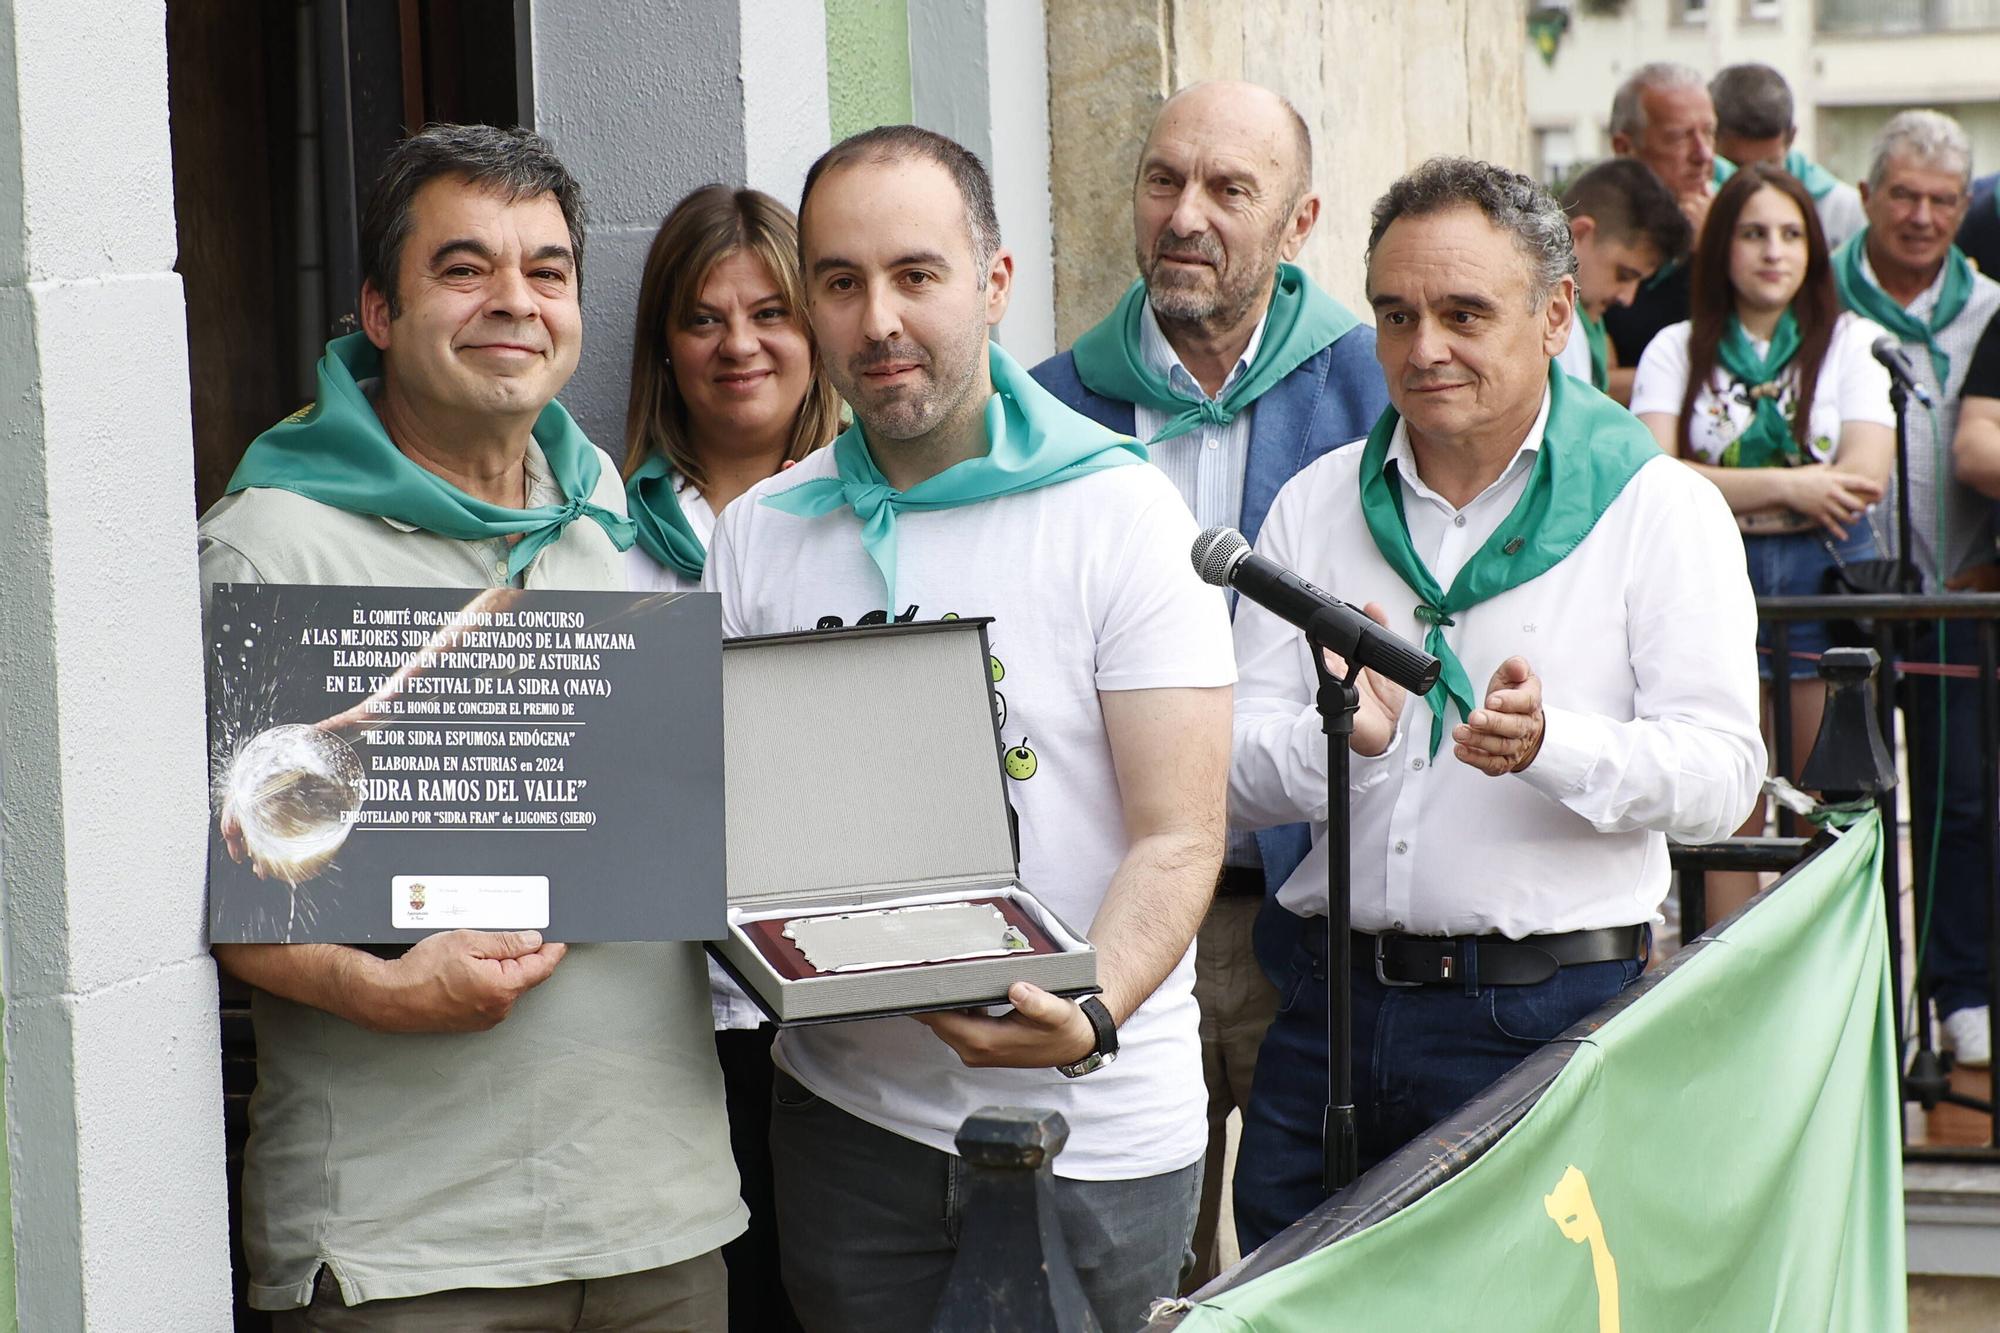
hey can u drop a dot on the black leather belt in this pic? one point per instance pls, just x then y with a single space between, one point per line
1490 960
1240 882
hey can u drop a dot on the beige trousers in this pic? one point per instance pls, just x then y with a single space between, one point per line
687 1297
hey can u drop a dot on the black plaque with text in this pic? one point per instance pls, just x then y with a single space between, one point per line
387 763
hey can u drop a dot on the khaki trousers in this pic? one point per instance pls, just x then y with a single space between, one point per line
687 1297
1237 1003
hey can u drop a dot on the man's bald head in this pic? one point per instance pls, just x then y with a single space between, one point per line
1222 196
1251 112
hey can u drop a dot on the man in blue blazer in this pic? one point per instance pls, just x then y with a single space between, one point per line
1238 371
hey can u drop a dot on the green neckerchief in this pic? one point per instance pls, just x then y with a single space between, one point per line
1302 322
336 452
1767 441
664 531
1590 448
1033 440
1859 294
1600 354
1819 182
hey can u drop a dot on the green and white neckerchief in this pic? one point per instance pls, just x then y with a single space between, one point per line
1033 440
1590 448
1302 321
1860 293
1768 440
335 451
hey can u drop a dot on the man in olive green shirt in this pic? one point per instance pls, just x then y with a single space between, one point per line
489 1130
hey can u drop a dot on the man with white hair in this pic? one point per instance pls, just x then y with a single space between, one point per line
1663 116
1753 116
1904 272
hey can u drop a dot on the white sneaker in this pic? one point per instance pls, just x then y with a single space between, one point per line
1970 1038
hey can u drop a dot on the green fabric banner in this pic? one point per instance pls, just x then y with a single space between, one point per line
1722 1154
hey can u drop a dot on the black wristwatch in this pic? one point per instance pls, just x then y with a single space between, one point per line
1107 1039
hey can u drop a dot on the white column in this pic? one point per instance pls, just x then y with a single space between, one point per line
785 125
979 73
113 1088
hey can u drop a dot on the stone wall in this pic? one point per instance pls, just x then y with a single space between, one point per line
1383 84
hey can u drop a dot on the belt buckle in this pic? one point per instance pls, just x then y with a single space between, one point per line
1379 975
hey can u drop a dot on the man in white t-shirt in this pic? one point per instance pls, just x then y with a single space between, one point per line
1624 224
966 489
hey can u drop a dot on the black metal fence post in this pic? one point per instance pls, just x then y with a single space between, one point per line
1013 1272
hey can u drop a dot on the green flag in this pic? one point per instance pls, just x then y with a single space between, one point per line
1722 1154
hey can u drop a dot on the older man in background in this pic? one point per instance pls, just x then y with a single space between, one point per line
1904 272
1663 116
1239 371
1753 117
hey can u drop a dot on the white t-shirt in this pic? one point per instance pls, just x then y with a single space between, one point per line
1853 386
1575 355
733 1009
1090 588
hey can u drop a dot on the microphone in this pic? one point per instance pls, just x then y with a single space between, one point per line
1223 558
1890 354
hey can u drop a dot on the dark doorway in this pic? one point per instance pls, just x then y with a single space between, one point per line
281 116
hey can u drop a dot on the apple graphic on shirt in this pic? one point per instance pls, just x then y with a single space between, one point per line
1021 762
993 668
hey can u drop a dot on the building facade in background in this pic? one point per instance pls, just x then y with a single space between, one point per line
1851 64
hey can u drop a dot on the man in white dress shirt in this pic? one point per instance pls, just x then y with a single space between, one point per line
1529 534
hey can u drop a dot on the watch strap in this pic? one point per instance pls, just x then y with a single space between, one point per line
1100 1022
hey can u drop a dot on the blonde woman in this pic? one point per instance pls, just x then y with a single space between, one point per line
726 386
726 390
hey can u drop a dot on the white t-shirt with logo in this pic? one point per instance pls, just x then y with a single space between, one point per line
1853 386
1090 587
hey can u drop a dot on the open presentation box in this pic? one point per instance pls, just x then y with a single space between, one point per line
863 777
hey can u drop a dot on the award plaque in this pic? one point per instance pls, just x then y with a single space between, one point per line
871 858
387 763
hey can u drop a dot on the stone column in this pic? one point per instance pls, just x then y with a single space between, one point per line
113 1092
1383 84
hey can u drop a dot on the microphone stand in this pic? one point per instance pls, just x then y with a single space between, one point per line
1339 1136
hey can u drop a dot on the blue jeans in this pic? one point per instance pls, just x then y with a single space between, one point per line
868 1224
1955 955
1420 1053
1794 564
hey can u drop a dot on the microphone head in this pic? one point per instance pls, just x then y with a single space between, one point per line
1889 352
1215 554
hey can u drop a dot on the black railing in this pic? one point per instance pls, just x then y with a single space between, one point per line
1891 621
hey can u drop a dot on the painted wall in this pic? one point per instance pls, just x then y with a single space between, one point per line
867 64
642 100
979 74
1382 84
113 1091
